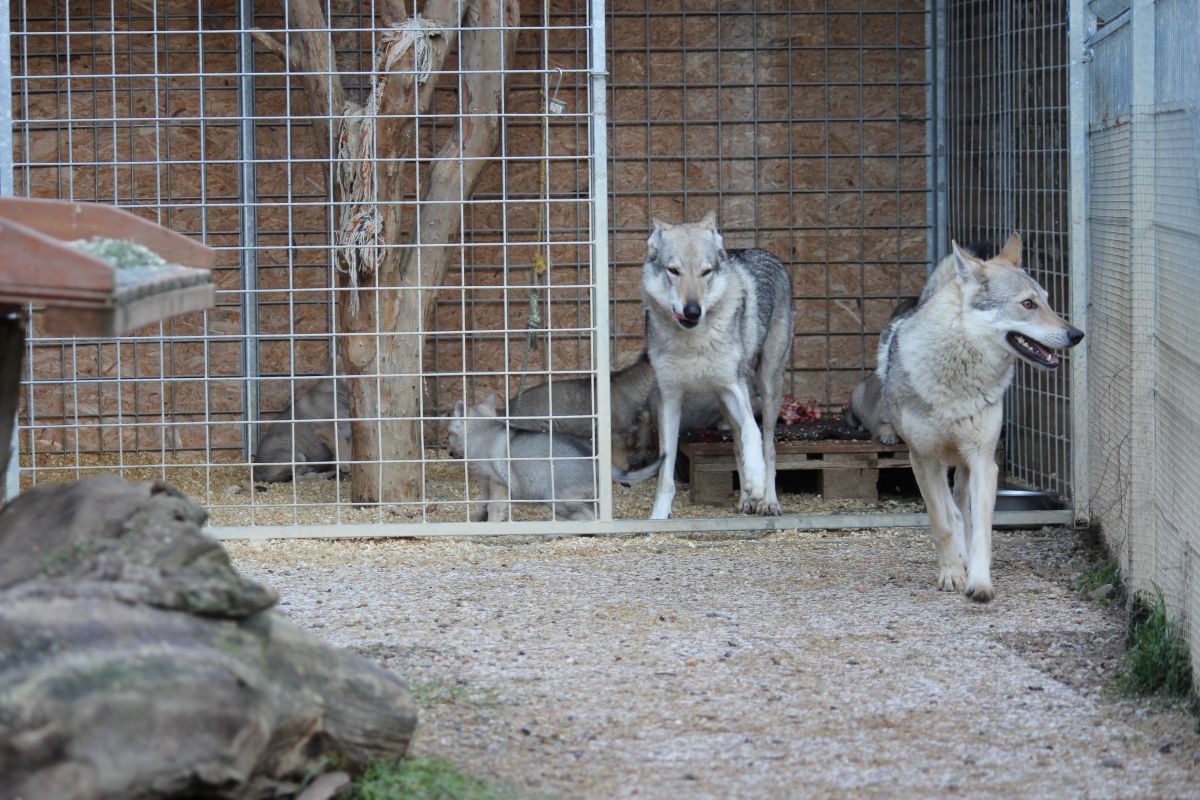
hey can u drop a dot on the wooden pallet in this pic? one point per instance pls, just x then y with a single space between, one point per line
849 470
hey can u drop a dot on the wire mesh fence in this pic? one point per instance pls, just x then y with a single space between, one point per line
808 131
1007 96
379 222
1143 155
367 286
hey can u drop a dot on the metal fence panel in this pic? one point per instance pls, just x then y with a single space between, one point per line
1174 140
1008 171
1144 356
806 129
189 116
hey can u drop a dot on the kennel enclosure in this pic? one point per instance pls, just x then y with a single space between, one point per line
852 139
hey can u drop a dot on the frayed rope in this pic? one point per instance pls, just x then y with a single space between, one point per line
358 246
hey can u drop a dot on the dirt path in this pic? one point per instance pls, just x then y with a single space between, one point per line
793 665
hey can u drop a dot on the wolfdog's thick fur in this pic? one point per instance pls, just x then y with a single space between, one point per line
944 368
305 439
716 322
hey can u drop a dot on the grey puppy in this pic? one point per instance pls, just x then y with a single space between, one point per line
717 322
315 444
570 400
515 464
633 401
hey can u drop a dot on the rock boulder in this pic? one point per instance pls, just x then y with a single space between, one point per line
136 663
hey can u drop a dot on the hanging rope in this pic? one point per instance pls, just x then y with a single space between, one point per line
541 261
358 242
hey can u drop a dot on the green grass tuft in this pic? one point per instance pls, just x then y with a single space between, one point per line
421 779
1158 658
1100 573
440 693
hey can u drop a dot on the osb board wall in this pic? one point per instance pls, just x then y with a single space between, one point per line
804 130
123 118
803 125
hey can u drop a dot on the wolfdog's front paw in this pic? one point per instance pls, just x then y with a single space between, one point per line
980 591
766 508
952 578
889 438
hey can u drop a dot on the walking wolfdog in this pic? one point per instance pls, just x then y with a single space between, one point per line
715 320
944 368
515 464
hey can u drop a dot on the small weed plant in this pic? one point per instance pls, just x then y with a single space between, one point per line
421 779
1158 660
1099 574
440 693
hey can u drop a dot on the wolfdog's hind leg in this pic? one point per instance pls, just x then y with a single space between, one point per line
962 504
770 389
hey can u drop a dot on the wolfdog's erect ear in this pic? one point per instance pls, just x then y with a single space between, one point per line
710 220
459 408
654 243
965 264
722 256
1011 252
489 401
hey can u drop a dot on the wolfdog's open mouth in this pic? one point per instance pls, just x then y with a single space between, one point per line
1032 350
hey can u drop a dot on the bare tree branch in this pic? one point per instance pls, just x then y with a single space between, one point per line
396 109
309 50
484 56
271 43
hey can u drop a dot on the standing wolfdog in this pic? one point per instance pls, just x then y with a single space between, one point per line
715 320
944 368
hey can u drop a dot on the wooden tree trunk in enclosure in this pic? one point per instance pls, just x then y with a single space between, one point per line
389 254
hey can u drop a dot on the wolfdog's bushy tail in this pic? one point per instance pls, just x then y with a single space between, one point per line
632 476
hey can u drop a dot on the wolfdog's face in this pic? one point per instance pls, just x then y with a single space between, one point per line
457 423
685 271
1002 302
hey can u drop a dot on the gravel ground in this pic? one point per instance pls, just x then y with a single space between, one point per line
813 664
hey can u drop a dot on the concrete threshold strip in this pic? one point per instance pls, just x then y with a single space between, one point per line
1024 519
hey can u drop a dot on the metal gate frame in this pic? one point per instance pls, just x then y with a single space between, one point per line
605 524
1081 24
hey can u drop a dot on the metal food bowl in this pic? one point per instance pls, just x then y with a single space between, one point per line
1009 499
